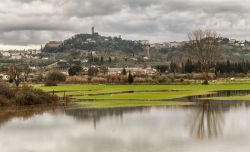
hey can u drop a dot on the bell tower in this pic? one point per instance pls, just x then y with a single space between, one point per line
93 30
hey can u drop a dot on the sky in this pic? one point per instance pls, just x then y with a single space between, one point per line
32 23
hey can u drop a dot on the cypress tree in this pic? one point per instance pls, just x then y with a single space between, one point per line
130 78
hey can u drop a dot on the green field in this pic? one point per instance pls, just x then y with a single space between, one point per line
112 104
95 88
93 93
236 98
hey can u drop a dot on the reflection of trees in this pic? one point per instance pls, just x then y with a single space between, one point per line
208 121
7 115
97 114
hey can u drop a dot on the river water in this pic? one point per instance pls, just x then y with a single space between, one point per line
208 127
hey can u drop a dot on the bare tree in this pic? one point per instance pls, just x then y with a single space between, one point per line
204 47
15 73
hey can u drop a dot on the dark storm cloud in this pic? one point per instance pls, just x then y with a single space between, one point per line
25 22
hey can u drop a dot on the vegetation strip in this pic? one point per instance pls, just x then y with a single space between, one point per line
103 95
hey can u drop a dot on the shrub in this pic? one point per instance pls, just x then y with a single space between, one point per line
38 78
56 76
139 80
24 96
31 96
98 80
6 91
77 79
74 70
50 83
4 101
117 78
205 82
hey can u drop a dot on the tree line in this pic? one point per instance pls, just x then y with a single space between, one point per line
190 66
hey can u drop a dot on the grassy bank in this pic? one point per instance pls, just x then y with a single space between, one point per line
95 88
234 98
115 104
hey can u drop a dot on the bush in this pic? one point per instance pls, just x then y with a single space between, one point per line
205 82
6 91
56 76
74 70
98 80
4 101
31 96
139 80
24 96
117 79
38 78
50 83
77 79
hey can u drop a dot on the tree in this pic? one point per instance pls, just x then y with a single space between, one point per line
189 66
14 73
124 72
93 71
56 76
162 68
74 70
102 60
173 67
203 46
110 60
130 78
26 71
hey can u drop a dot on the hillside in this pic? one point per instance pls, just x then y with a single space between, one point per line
95 42
122 49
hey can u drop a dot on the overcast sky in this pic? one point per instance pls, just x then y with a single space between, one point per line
34 22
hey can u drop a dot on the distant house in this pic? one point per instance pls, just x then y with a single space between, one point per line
143 42
232 41
61 66
5 53
85 61
53 44
136 71
15 55
175 44
157 45
45 58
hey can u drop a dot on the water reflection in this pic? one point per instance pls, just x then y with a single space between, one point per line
147 129
7 115
97 114
208 121
223 93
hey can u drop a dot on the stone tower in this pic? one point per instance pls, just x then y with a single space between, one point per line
93 30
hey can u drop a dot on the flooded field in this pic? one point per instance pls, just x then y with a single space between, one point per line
208 126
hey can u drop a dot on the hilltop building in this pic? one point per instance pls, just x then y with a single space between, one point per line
93 31
53 44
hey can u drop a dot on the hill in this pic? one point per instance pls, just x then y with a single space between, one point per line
94 42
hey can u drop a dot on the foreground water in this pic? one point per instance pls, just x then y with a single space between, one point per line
206 127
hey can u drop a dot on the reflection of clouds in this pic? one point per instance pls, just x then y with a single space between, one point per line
156 130
63 133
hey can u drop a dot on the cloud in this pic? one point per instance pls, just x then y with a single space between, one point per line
38 21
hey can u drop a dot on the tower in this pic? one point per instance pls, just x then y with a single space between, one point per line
93 30
147 51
